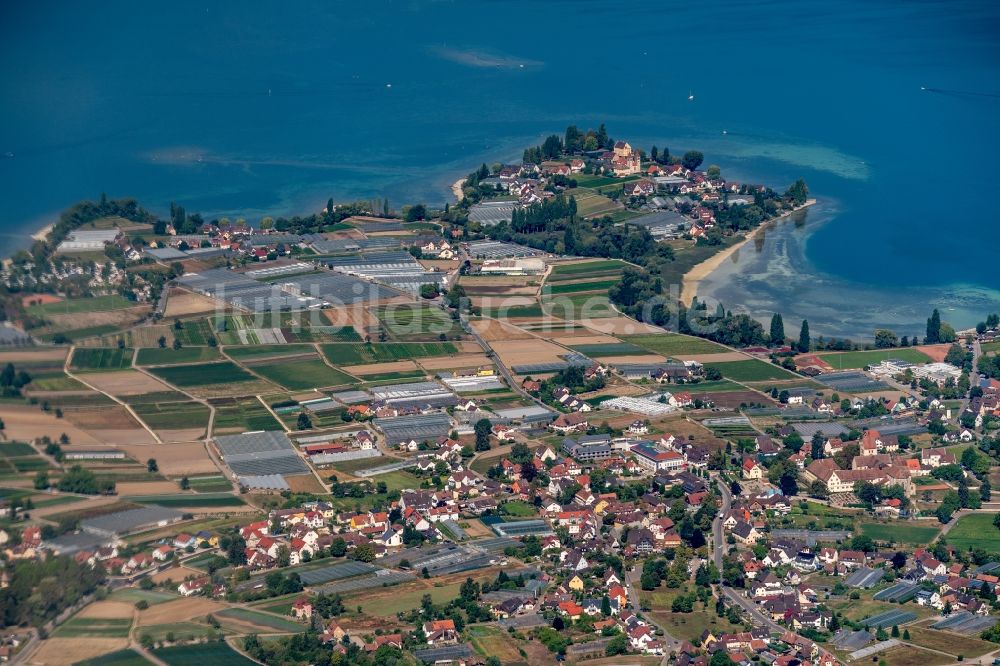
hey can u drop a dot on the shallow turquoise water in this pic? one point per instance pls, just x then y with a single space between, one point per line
272 108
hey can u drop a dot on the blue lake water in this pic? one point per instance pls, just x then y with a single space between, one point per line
247 109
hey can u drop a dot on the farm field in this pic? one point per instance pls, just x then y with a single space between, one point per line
101 358
243 416
173 415
302 375
410 319
169 356
78 305
194 332
362 353
672 344
585 269
191 499
967 646
203 374
260 619
126 657
209 484
494 641
975 530
920 534
751 370
609 349
134 594
217 654
254 352
591 204
579 307
860 359
94 627
571 287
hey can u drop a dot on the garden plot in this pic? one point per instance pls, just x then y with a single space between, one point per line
175 459
111 424
527 351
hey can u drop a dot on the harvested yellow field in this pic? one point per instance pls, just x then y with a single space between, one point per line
146 487
54 354
175 459
179 610
181 303
492 329
108 609
525 352
27 423
125 382
65 651
619 325
587 339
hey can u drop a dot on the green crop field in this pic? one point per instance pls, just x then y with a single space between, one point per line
515 311
77 305
209 484
609 349
976 531
579 307
361 353
573 287
256 352
409 319
194 332
260 619
14 449
134 594
586 269
303 375
591 203
861 359
101 358
94 627
126 657
751 370
920 534
217 654
244 416
173 415
203 374
393 376
670 344
168 356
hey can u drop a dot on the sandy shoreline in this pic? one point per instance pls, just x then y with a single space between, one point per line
42 233
701 271
456 189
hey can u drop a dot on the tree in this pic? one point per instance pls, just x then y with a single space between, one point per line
804 337
185 483
483 429
885 339
933 335
303 422
713 172
777 330
151 466
42 482
798 192
692 159
416 212
428 291
162 342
